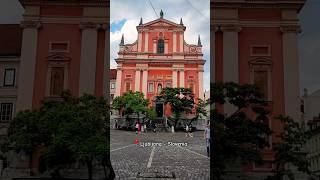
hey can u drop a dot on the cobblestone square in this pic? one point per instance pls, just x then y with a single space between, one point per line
163 155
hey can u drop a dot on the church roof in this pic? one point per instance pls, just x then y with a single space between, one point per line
161 22
11 39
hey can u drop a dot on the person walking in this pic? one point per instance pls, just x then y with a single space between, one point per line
187 130
207 138
190 131
137 127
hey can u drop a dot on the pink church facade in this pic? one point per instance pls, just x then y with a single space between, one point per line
159 58
256 42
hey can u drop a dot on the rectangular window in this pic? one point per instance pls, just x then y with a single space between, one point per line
191 77
59 47
9 77
168 84
57 81
6 112
128 86
113 85
150 87
128 76
261 82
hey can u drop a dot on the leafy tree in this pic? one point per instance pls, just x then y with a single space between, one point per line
181 100
200 111
69 130
236 136
131 103
290 150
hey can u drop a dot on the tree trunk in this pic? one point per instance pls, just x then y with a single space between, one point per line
89 165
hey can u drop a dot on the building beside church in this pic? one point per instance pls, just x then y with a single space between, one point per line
256 42
59 45
159 58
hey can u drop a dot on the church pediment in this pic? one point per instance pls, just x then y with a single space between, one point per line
161 23
58 57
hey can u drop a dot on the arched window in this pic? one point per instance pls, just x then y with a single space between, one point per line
160 48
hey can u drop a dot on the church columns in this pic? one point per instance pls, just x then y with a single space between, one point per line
145 81
181 80
106 80
174 38
146 40
181 42
291 70
200 80
230 58
174 78
88 58
139 41
137 80
230 53
27 66
119 80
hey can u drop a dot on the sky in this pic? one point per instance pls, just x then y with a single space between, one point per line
126 14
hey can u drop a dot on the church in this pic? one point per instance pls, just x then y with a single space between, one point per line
159 58
256 42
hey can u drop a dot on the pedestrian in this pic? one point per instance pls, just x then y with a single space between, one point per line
139 128
136 127
145 127
190 130
187 130
207 138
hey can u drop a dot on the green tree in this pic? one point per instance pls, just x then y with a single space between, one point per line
290 150
181 100
69 130
236 136
131 103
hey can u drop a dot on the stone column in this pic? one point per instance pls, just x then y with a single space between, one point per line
119 80
230 59
291 71
166 46
181 42
139 41
28 63
88 58
230 53
174 78
200 80
174 38
137 80
145 82
146 42
106 79
154 46
181 82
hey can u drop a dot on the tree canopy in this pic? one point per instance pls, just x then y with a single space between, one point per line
236 136
68 129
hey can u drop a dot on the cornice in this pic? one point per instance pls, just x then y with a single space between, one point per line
290 29
86 3
282 4
30 24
